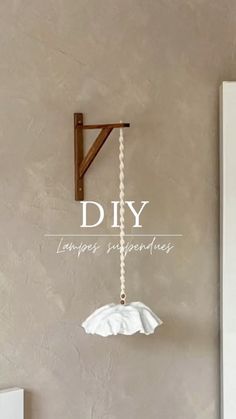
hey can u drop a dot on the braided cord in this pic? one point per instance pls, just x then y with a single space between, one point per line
122 218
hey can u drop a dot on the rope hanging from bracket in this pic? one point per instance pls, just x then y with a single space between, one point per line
122 218
126 319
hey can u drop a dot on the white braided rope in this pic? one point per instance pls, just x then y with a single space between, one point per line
122 218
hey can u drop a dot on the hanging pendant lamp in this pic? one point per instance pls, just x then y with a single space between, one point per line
125 319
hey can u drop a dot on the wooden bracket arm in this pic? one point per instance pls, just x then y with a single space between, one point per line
82 163
98 126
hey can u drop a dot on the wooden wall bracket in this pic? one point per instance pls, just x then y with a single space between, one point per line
82 163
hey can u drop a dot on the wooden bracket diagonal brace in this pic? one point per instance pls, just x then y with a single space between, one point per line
94 149
82 163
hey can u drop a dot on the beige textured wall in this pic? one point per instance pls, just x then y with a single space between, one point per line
157 64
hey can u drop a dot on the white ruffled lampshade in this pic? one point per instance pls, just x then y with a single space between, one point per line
127 319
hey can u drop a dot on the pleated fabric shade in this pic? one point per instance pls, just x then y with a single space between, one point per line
114 319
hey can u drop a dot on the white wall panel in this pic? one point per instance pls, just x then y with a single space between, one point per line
12 404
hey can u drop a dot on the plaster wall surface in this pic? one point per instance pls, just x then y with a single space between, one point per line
158 65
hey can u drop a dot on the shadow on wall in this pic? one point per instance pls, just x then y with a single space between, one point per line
178 332
28 405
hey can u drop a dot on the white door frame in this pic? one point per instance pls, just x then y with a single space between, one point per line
228 248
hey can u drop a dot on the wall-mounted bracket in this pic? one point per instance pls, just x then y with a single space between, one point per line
82 163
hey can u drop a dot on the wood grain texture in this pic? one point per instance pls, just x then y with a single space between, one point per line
78 155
